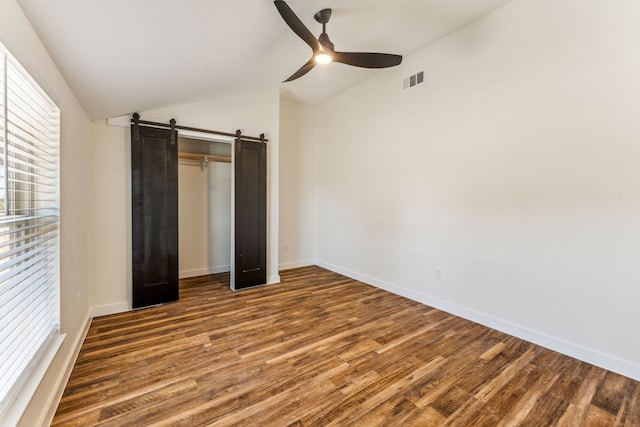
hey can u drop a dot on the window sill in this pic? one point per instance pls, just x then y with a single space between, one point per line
15 409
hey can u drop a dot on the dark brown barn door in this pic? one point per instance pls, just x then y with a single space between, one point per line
250 214
154 191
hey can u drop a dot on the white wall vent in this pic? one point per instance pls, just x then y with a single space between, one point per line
413 80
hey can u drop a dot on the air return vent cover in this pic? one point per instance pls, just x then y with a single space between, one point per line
413 80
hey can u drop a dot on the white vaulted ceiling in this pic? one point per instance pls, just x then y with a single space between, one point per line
120 56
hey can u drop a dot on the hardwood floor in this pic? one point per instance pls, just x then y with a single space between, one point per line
322 349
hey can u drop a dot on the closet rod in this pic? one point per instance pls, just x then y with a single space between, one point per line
209 157
136 119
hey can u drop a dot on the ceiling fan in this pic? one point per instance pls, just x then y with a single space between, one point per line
322 47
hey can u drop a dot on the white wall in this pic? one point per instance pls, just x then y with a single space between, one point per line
514 170
253 113
297 185
204 218
18 36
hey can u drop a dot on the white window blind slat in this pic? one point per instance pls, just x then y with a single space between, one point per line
30 131
25 243
16 314
26 261
28 158
18 129
32 339
29 225
45 220
39 125
18 89
22 165
24 278
27 278
24 84
3 131
34 255
19 313
22 338
29 341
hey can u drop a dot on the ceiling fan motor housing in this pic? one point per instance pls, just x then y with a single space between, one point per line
323 16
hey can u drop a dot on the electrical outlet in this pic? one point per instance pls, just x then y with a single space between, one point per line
438 273
285 246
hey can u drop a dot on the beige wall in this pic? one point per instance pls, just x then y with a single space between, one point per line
297 185
111 212
204 218
513 170
18 36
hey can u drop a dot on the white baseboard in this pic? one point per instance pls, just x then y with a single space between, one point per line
204 271
63 377
104 310
296 264
611 363
273 279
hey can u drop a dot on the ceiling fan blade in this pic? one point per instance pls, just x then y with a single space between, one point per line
296 25
367 60
303 70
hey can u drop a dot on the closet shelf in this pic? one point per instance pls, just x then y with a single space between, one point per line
206 157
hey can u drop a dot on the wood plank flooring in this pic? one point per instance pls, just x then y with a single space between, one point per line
320 349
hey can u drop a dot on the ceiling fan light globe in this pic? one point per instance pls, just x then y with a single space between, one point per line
323 58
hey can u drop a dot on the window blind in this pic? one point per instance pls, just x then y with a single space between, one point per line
29 225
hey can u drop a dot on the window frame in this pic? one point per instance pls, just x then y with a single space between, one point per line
37 245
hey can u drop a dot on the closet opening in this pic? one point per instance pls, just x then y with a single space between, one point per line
205 200
156 237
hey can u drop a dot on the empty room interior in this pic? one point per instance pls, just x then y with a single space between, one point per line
441 226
